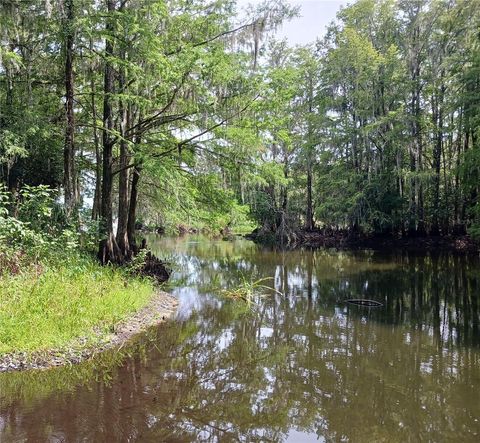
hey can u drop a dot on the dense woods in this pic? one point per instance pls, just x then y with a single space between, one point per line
377 129
188 114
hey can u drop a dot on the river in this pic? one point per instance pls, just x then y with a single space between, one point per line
300 364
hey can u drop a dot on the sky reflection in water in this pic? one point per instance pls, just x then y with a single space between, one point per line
303 366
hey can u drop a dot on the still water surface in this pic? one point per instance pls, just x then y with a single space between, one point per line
300 366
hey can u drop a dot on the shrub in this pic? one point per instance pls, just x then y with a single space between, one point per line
33 227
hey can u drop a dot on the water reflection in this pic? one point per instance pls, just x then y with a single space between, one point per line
436 292
300 367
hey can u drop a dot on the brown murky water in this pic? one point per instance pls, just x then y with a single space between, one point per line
299 367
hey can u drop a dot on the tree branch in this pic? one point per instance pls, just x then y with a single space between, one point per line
211 39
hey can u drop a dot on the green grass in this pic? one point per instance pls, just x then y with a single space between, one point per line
248 290
50 309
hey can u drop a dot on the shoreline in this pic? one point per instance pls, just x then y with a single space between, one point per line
160 308
342 240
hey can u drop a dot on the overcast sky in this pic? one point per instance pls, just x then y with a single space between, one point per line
315 15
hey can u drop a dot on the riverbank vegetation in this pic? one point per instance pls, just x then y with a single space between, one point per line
179 115
65 302
52 292
374 130
188 115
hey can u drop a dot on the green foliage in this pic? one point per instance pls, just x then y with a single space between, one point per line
11 147
34 226
470 171
191 200
379 120
376 120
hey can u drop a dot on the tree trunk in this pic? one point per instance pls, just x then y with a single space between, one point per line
108 248
437 153
97 199
69 177
6 116
284 229
418 158
132 208
123 206
309 224
123 209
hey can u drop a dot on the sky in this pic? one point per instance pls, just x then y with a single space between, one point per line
315 15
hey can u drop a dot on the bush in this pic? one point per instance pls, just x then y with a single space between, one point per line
33 227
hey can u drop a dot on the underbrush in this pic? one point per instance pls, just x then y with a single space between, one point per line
48 306
52 291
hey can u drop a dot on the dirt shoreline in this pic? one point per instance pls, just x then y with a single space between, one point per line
161 307
343 240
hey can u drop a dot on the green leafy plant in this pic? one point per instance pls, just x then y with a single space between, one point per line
33 227
137 262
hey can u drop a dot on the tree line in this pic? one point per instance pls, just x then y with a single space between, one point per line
94 93
188 112
375 127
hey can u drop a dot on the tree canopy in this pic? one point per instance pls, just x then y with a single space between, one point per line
188 113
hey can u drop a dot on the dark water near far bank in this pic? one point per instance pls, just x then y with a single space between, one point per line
299 367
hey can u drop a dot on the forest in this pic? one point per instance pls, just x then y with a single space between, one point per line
190 115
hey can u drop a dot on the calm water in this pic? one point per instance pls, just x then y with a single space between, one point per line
300 366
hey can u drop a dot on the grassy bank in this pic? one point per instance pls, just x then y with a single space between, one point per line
48 307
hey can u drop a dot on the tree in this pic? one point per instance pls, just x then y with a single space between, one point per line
69 169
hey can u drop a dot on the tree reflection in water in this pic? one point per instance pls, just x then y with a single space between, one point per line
298 364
